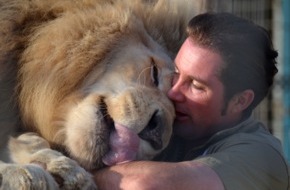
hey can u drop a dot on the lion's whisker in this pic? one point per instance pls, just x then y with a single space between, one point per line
140 75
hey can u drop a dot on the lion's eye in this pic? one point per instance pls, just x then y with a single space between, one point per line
154 73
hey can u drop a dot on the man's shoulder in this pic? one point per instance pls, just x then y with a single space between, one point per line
250 132
245 153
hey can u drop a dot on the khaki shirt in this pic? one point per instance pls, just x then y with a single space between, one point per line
246 157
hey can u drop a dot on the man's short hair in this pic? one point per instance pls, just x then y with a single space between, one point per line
247 51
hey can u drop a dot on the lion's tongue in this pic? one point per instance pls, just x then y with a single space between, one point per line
124 145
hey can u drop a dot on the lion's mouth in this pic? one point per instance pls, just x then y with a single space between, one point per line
109 122
153 132
124 142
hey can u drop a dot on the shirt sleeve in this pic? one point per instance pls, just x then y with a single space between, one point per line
248 166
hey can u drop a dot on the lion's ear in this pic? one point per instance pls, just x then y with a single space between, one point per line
241 101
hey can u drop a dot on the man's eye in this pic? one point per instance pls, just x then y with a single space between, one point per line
196 85
154 73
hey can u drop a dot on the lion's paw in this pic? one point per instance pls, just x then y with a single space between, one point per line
69 175
28 177
31 151
61 173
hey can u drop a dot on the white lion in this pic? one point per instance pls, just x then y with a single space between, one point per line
89 77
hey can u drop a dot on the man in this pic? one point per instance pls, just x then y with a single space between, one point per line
223 71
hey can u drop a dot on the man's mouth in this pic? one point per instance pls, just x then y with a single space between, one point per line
180 115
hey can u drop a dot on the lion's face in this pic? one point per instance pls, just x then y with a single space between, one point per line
126 102
95 86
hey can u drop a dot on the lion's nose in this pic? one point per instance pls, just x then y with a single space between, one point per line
153 132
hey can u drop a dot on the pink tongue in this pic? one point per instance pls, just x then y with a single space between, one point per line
124 144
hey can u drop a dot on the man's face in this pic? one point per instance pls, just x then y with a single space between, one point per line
197 92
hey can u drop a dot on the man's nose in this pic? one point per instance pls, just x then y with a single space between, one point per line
175 93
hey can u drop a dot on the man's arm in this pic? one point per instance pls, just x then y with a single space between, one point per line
145 175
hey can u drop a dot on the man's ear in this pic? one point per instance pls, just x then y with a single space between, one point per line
241 101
